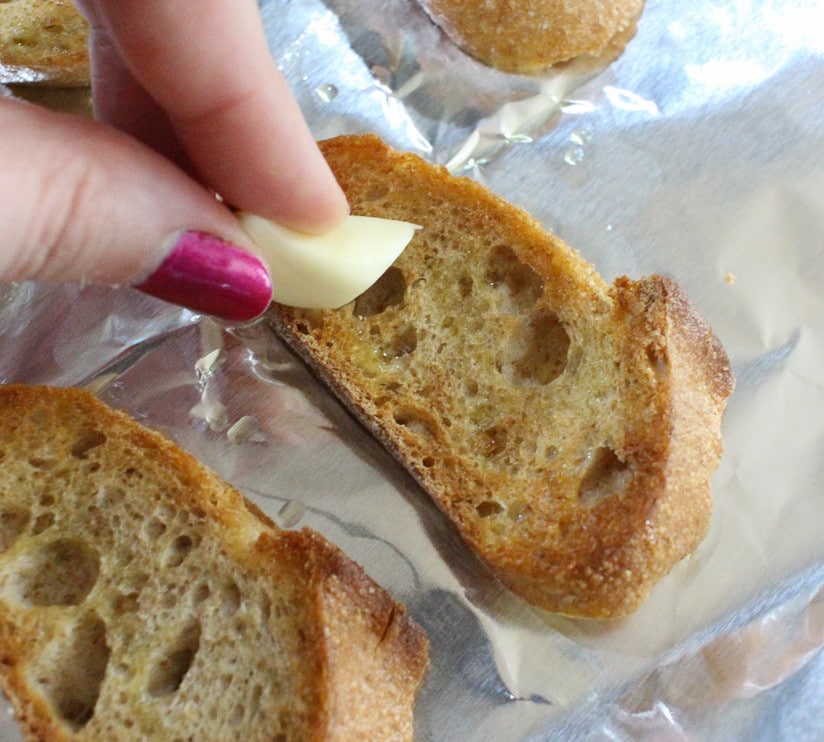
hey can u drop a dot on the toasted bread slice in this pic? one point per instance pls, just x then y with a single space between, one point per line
568 429
530 35
143 598
43 41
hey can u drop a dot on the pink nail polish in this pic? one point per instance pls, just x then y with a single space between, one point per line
207 274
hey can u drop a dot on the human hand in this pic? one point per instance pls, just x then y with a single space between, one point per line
188 102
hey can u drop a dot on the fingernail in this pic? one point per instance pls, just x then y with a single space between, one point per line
209 275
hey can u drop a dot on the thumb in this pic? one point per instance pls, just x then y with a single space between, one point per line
82 201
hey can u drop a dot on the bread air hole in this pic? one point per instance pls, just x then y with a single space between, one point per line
376 192
415 420
41 463
71 670
403 343
254 700
517 510
237 715
230 598
537 351
657 360
519 285
123 604
178 550
42 522
86 441
61 572
493 441
264 608
13 521
200 593
388 291
168 674
488 508
154 528
310 321
606 476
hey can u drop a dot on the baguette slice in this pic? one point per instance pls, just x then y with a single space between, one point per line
568 429
530 35
143 598
43 41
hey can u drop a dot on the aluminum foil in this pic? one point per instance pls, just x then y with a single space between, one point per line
698 154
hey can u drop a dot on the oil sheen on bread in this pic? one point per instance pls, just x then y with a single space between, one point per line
567 428
141 597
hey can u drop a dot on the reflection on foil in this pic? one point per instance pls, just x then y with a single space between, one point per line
753 372
717 689
626 100
15 74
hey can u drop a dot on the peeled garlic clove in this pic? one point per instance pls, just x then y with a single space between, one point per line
326 271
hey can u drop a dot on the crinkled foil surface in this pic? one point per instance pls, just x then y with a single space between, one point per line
699 153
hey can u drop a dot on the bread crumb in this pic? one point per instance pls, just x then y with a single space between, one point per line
208 364
291 513
246 429
730 278
212 411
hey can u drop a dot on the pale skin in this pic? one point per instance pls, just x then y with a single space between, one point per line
188 103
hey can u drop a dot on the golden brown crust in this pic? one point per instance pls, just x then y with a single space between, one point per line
567 429
170 547
530 35
368 640
44 42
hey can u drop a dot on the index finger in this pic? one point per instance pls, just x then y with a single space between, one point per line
208 66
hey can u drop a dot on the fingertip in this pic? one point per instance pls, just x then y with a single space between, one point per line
317 212
207 274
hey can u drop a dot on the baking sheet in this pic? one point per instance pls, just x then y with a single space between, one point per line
696 154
